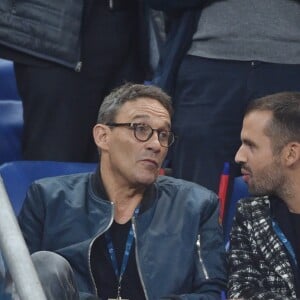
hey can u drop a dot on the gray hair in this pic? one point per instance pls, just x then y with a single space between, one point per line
130 92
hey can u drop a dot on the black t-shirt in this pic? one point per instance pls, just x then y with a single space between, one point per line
103 272
289 223
295 221
102 269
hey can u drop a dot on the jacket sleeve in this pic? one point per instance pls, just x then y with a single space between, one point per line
210 277
31 219
244 276
174 5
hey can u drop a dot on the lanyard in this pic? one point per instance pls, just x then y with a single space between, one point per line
112 253
285 241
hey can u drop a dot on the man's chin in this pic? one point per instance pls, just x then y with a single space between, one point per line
147 179
254 191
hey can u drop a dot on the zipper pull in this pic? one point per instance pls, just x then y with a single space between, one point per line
78 66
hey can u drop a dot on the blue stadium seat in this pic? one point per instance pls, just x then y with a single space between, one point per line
11 125
18 175
239 190
8 87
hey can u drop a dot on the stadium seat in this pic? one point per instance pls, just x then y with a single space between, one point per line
11 125
239 190
18 175
8 87
231 189
236 189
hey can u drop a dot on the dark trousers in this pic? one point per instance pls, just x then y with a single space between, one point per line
61 105
56 277
210 99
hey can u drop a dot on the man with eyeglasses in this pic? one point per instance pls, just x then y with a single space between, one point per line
124 231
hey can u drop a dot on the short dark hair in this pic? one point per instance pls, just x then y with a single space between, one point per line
284 126
130 92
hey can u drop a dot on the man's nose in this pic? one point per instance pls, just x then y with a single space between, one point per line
154 142
239 156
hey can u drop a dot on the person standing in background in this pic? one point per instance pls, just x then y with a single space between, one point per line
220 55
68 55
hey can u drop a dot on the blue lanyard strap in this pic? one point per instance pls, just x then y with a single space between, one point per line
285 241
112 253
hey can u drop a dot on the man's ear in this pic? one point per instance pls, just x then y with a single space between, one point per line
292 153
101 135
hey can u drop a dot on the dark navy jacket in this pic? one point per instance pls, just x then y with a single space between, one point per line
51 31
48 30
178 240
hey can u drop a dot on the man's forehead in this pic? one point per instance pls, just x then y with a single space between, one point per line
255 124
143 107
141 101
257 119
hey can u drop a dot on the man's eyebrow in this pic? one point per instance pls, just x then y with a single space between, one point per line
248 142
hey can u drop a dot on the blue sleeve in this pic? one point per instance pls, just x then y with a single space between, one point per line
31 219
210 278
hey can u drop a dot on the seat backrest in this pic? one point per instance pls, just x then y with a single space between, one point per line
18 175
239 190
11 126
8 86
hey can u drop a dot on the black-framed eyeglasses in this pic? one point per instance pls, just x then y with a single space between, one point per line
143 132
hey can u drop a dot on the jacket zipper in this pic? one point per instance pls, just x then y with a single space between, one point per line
136 259
200 258
90 250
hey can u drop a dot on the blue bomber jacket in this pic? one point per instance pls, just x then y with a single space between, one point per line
178 240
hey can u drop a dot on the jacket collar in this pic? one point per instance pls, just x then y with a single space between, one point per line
99 190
